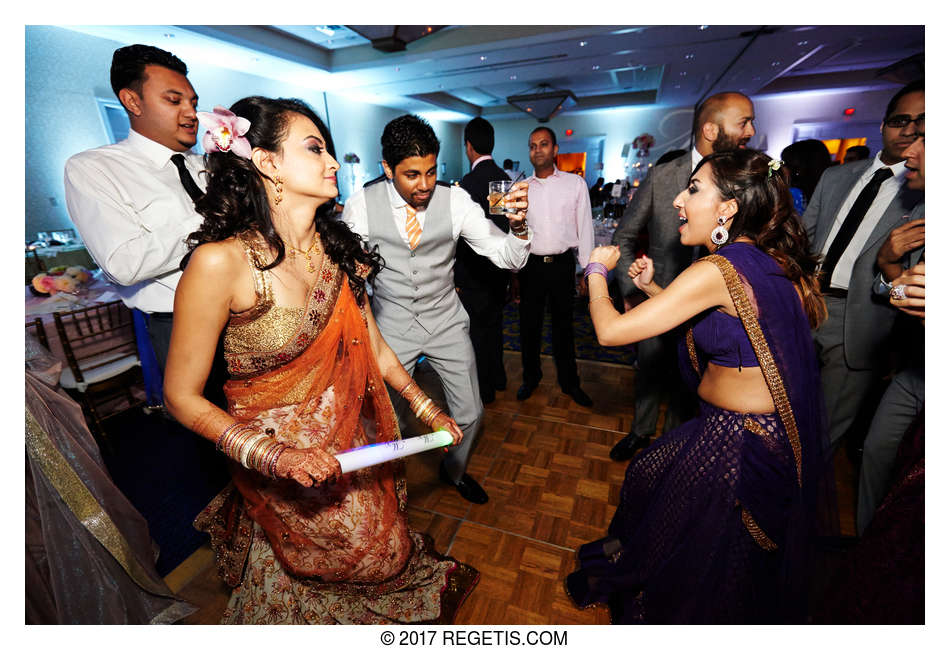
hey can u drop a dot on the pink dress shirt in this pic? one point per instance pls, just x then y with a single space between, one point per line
559 214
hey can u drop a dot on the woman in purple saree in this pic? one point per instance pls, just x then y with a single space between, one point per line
714 517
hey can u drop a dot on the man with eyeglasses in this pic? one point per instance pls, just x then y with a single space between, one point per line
852 212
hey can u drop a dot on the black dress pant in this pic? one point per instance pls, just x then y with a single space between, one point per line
485 307
548 281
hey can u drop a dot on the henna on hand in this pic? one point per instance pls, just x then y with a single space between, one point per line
308 466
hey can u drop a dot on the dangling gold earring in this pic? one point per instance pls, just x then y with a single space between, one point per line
279 189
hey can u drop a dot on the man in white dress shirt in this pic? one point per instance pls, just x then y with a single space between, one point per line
559 213
416 223
851 213
133 201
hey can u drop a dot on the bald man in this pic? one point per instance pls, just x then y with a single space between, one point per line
723 122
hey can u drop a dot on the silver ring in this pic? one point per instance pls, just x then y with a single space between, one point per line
898 293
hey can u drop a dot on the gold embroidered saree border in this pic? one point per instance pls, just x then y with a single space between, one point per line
757 533
762 352
84 505
691 348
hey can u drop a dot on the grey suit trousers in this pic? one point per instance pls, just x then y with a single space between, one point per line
450 353
902 402
658 375
844 387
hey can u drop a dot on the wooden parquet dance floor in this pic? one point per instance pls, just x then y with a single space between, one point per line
551 485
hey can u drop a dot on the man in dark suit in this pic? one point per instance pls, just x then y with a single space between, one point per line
723 122
482 286
852 212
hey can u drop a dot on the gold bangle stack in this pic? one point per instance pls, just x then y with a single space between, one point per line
251 447
420 404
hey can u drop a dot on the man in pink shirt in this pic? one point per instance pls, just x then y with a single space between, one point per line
560 217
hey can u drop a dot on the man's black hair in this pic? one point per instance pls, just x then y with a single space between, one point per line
128 66
508 163
481 134
912 87
550 132
405 137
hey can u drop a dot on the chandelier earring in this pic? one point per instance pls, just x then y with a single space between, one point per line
720 234
279 190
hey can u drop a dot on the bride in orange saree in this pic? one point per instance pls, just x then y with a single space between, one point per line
297 540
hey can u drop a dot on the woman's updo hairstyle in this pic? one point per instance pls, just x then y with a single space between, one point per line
235 200
766 214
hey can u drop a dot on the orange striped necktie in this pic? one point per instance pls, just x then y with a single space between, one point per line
413 230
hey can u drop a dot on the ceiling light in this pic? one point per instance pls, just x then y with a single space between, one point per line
326 30
544 102
595 67
676 86
802 43
776 64
513 77
169 35
703 27
683 74
689 56
483 57
582 43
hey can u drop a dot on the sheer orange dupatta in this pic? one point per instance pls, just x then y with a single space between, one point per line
340 357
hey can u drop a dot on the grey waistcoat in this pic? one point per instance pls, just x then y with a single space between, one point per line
413 285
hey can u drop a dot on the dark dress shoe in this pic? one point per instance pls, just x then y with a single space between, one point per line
487 397
524 392
628 446
467 487
500 384
579 396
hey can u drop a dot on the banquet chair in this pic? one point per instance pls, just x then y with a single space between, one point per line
103 362
39 331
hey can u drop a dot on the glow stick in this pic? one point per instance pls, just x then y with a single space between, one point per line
381 452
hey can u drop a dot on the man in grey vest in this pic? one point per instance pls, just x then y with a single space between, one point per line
416 223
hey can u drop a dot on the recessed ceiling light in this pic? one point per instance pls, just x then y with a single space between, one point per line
483 57
595 67
582 43
703 27
169 35
689 56
528 108
513 77
428 30
683 74
801 43
776 64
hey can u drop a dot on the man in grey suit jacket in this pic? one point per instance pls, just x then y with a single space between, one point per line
723 122
416 222
851 342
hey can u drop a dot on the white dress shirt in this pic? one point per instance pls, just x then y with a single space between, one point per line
133 214
559 213
841 277
468 222
696 157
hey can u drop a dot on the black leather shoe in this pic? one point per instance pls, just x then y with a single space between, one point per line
500 384
628 446
579 396
524 392
467 487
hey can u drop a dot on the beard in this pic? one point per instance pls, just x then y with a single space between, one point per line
726 142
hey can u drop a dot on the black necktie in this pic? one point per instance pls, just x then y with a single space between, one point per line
851 223
190 186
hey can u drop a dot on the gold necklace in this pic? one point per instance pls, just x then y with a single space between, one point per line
306 253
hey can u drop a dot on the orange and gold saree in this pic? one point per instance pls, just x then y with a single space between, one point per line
338 552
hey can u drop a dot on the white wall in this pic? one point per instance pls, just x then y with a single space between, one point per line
67 71
776 117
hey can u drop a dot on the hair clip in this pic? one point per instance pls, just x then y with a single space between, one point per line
225 132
